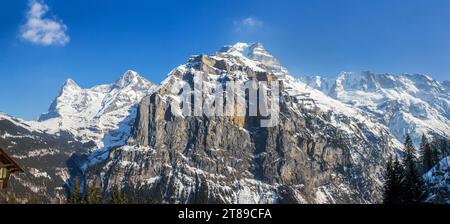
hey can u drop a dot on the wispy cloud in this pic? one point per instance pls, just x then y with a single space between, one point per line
41 29
248 24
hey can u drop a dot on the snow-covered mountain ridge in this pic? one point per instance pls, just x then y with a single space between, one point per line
321 151
330 146
414 104
79 120
91 113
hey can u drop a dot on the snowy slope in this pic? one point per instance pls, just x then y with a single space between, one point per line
79 120
42 156
334 137
438 181
413 104
255 56
322 151
91 113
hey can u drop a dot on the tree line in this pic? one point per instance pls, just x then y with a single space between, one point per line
403 181
93 195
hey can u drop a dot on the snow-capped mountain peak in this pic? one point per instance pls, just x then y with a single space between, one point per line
257 52
128 78
253 51
91 113
312 130
407 104
70 84
341 127
238 47
253 55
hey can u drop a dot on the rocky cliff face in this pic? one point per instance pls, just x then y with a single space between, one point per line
326 142
79 121
319 151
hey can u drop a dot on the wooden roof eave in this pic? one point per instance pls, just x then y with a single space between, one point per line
11 165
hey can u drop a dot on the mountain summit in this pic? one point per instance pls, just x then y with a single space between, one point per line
329 144
130 78
91 113
256 52
407 104
320 151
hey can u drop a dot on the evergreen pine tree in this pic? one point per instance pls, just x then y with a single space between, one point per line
444 148
388 196
93 194
398 185
435 150
413 183
425 154
75 194
117 197
447 149
393 185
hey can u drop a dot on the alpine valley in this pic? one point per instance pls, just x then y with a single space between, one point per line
330 145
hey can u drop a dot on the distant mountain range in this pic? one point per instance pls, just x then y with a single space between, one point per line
331 149
406 104
78 121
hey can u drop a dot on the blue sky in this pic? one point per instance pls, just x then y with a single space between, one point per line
95 41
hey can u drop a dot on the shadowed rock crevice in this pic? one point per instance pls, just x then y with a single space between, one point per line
313 155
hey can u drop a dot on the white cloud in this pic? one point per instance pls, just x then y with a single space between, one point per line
42 30
248 24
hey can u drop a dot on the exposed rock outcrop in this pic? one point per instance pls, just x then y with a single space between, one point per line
319 152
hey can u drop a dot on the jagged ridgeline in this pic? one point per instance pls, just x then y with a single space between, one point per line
323 152
79 121
133 142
